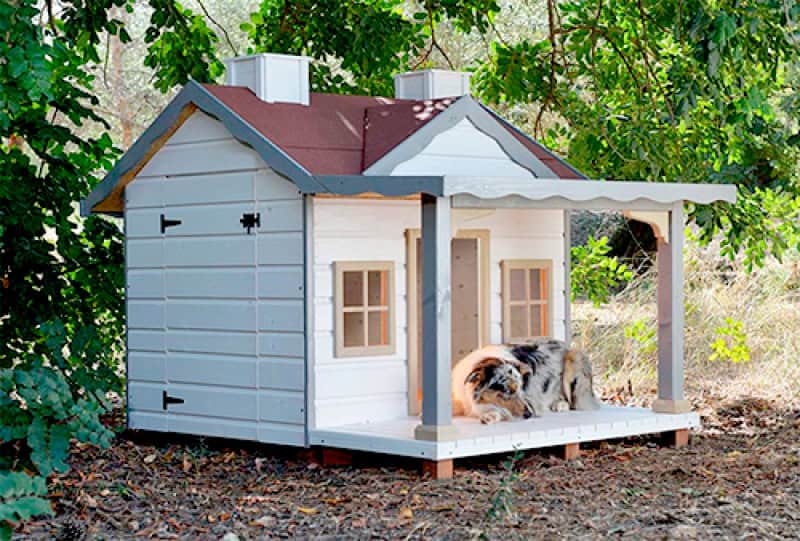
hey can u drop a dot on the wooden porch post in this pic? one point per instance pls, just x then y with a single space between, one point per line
670 316
437 410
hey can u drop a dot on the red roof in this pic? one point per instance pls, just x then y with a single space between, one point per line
343 135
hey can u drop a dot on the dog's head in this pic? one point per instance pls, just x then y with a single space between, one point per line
495 381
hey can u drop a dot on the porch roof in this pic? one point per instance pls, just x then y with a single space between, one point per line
492 192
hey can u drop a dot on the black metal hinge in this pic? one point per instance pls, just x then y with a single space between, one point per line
166 400
250 220
165 223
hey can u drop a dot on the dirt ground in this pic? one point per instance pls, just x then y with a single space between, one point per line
739 478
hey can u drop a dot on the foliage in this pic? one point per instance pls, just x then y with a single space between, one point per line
21 497
360 44
671 91
643 333
731 342
61 311
503 497
593 273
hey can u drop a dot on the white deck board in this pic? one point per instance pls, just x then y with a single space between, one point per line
396 437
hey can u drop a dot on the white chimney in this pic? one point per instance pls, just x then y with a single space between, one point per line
431 84
272 77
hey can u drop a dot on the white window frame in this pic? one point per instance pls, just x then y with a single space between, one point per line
340 267
542 265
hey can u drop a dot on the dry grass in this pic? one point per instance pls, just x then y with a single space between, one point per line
766 301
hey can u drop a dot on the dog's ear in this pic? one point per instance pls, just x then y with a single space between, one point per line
483 371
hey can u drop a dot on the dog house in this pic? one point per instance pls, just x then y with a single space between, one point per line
304 269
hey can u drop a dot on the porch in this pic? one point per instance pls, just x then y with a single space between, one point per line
436 435
397 437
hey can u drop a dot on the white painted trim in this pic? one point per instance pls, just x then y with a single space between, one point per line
574 193
396 437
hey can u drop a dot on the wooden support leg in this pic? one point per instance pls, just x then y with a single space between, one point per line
676 438
438 469
336 457
571 451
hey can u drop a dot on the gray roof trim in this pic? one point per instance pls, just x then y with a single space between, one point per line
546 192
463 107
533 141
389 186
195 93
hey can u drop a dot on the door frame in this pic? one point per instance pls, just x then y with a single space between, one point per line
414 313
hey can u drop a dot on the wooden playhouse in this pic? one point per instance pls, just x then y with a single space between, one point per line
287 251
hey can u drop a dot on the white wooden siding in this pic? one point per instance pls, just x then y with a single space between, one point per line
215 316
462 150
374 389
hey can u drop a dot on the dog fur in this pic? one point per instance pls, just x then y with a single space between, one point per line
507 382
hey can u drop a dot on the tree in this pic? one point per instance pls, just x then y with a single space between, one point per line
61 312
672 90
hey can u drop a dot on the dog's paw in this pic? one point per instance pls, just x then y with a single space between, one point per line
491 417
560 406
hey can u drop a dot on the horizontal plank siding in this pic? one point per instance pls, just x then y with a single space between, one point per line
214 401
199 189
141 340
224 283
209 251
215 313
281 406
281 374
147 366
280 248
145 314
373 389
145 284
202 158
228 315
204 341
214 427
281 283
144 254
145 396
281 344
212 370
281 315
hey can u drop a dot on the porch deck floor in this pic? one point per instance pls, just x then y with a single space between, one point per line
396 437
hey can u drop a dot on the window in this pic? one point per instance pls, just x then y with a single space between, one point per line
364 298
527 311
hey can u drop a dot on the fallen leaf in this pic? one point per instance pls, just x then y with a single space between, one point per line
105 492
224 516
308 510
149 459
265 522
187 463
406 512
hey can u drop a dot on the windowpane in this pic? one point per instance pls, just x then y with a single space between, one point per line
519 321
377 293
353 288
516 284
378 327
538 319
353 329
537 278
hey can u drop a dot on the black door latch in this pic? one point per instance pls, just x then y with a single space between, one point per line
166 400
165 223
250 220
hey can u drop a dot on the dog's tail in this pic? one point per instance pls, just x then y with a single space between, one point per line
576 382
